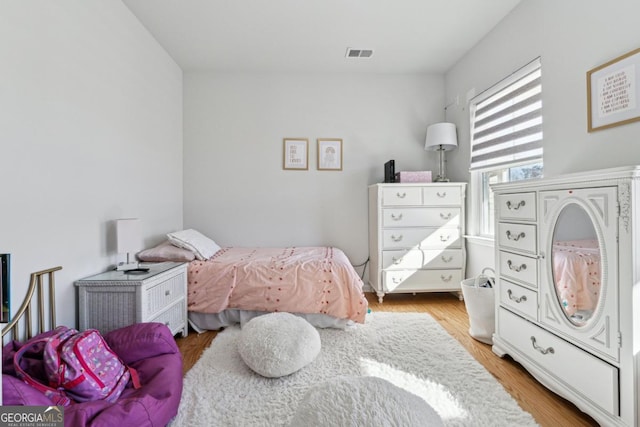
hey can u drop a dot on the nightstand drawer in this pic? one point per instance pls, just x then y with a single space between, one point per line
164 293
173 317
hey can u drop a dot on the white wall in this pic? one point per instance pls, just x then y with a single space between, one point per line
572 37
236 191
91 131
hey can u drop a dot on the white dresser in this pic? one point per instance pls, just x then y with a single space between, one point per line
416 241
114 299
568 277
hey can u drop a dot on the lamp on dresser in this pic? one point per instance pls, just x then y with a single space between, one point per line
441 137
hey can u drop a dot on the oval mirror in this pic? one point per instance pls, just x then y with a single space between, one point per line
575 258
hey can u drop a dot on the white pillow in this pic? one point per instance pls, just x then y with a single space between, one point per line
278 344
202 246
365 401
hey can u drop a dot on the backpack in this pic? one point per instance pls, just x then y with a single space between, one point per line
79 367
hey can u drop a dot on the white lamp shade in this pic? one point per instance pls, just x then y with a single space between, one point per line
128 235
441 135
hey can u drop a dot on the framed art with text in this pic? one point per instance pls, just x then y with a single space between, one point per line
296 154
613 92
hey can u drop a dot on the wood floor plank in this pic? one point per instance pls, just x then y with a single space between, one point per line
546 407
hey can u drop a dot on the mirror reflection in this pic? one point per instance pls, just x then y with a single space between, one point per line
576 264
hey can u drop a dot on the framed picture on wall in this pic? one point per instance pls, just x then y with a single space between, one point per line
296 154
613 92
329 154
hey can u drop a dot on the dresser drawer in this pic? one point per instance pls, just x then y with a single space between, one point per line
417 259
421 280
441 195
519 206
520 237
519 267
519 298
587 375
423 238
418 217
401 196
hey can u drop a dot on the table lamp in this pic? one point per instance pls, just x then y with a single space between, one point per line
441 137
129 241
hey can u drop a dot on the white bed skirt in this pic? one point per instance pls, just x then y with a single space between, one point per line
201 322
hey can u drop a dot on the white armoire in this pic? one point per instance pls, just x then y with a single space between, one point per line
568 287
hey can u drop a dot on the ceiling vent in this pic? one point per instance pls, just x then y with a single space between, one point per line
359 53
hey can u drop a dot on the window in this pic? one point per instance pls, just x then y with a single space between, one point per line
506 138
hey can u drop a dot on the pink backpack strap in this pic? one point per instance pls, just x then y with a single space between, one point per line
58 397
135 378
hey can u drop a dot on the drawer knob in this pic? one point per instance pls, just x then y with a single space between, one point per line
396 238
167 293
516 237
396 280
395 260
441 195
401 195
444 239
516 268
445 216
396 217
513 207
517 300
444 259
446 279
540 349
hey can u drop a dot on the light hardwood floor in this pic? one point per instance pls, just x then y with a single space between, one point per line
546 407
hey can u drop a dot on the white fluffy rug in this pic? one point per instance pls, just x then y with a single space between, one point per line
411 350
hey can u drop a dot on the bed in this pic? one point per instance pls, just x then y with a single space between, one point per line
237 284
234 284
576 271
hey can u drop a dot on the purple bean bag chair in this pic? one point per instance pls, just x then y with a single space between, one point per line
147 347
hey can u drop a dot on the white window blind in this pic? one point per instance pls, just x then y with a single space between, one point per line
506 121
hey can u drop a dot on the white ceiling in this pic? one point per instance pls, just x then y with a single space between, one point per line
407 36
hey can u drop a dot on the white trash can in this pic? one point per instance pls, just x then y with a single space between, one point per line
479 299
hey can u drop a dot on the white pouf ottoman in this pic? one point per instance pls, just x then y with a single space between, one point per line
363 401
278 344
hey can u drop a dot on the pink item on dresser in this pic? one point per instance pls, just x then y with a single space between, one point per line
413 176
295 280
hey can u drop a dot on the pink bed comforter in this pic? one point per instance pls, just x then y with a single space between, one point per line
576 270
297 280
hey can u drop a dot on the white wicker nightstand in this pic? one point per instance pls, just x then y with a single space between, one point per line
114 299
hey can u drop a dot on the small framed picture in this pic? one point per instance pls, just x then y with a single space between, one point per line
329 154
296 154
